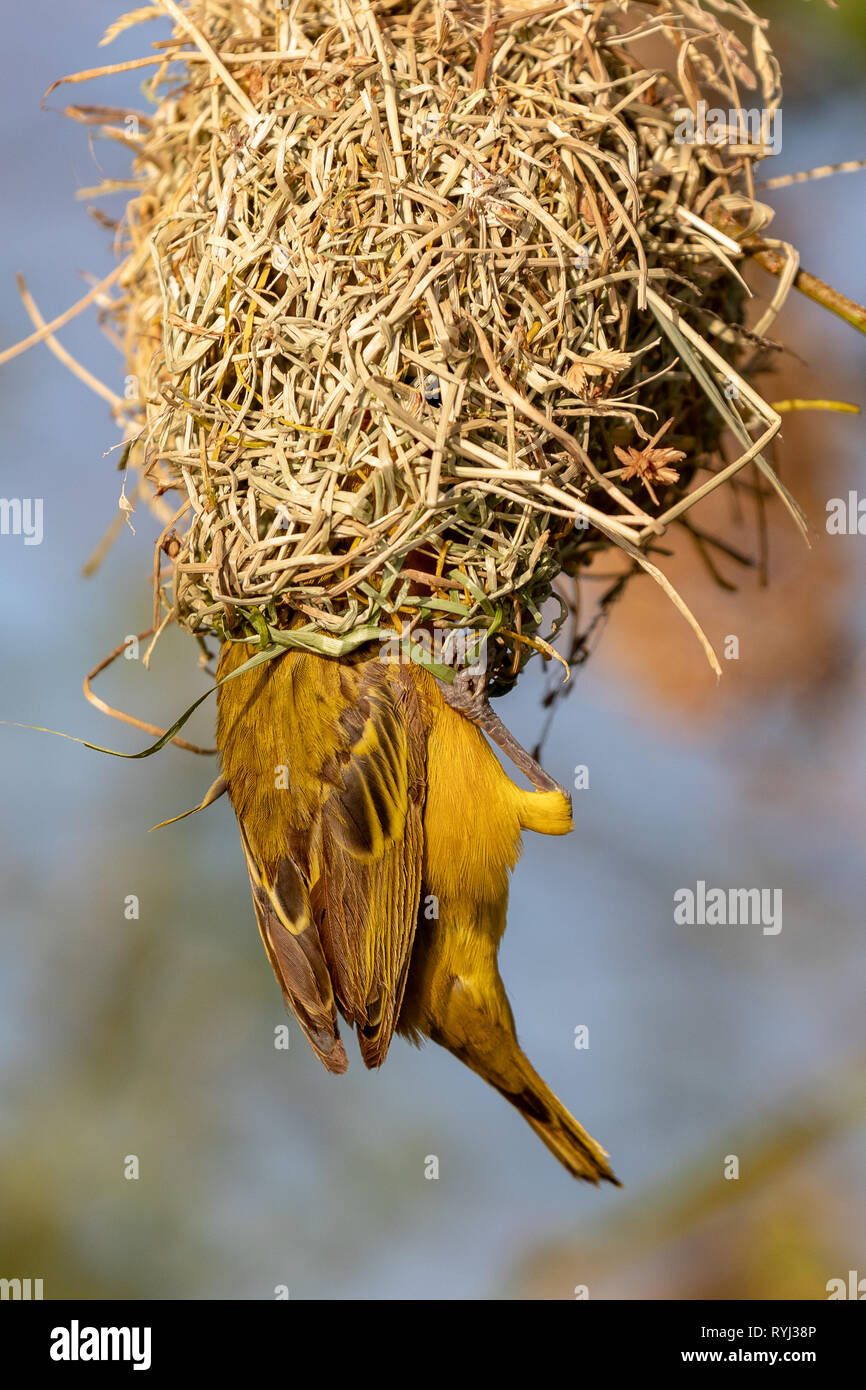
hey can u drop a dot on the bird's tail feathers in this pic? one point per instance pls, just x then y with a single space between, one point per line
547 812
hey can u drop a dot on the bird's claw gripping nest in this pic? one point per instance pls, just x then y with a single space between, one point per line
468 696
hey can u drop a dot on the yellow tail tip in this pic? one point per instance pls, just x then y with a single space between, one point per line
547 812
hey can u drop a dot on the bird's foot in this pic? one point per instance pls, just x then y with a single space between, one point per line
468 696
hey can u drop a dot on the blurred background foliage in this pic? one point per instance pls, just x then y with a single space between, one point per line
155 1037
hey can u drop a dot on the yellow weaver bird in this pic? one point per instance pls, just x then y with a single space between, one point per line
379 829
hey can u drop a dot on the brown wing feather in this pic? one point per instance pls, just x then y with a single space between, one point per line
293 948
365 901
335 860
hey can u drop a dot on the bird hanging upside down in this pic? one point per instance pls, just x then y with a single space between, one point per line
379 828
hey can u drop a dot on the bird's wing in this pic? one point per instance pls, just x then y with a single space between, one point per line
364 897
282 907
334 847
259 733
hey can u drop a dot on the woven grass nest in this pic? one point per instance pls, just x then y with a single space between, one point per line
428 304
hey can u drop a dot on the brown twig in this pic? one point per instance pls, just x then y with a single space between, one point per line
130 718
813 288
